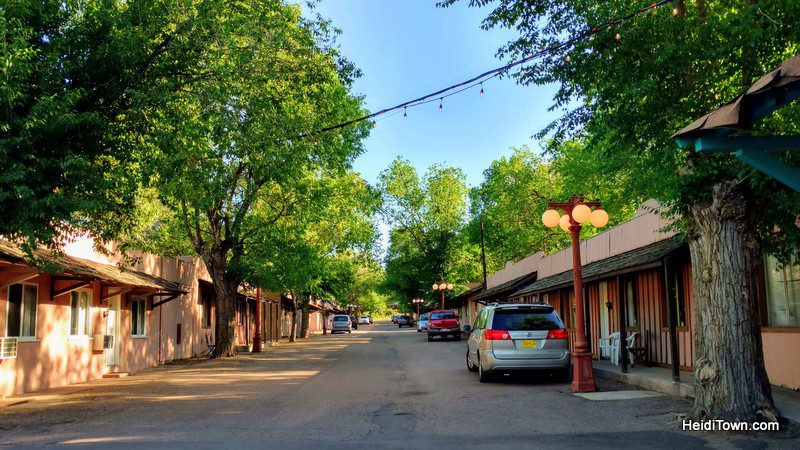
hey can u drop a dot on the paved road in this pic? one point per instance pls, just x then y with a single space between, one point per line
377 386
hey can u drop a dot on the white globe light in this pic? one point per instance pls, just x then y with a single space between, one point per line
449 286
550 218
564 222
435 287
581 213
599 218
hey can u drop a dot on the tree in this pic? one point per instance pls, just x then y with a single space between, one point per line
514 194
74 77
234 156
426 215
630 95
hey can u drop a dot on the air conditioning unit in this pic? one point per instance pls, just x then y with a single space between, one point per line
8 347
103 342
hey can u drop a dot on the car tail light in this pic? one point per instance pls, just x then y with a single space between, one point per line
496 335
557 334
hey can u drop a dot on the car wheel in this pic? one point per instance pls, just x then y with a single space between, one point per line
457 337
483 375
471 367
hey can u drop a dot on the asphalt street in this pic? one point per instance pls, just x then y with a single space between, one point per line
378 386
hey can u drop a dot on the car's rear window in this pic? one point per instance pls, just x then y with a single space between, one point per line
340 319
424 317
443 315
526 320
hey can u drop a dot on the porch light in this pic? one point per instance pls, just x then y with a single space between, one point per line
581 213
449 286
550 218
435 287
599 218
564 222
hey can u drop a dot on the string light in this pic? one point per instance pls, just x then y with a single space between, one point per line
500 71
569 58
374 124
405 116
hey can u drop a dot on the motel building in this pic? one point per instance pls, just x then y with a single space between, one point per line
639 277
90 319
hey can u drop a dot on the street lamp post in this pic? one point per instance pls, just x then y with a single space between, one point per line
442 286
577 211
417 301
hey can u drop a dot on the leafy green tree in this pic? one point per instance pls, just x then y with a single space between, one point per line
624 98
74 77
426 215
514 194
232 158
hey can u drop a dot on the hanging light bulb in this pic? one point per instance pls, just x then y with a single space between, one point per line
522 71
481 89
675 11
440 104
618 36
373 124
405 116
341 137
569 58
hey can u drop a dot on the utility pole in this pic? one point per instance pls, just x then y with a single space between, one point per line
483 253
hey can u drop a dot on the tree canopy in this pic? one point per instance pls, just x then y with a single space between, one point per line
427 214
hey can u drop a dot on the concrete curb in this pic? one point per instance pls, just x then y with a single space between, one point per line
681 389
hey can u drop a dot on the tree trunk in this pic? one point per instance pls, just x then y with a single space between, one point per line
731 382
225 289
293 328
304 323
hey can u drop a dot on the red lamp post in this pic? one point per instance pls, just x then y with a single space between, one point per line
576 212
257 334
442 286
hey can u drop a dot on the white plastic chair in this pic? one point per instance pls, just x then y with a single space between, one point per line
631 341
615 349
609 343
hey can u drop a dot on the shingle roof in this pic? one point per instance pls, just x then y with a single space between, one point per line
85 268
507 287
468 292
640 256
738 114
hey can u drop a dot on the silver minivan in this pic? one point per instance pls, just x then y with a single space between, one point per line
518 336
341 322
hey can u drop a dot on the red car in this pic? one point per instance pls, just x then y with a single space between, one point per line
444 323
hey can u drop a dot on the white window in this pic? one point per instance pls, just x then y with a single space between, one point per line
81 310
138 317
22 303
783 293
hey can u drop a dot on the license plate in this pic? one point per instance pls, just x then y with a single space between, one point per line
528 343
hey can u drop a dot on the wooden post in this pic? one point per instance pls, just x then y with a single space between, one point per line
623 325
588 316
669 291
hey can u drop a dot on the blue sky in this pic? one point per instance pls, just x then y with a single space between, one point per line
407 48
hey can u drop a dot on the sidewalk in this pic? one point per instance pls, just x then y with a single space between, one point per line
659 379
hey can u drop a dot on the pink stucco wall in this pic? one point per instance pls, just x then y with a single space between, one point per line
54 358
781 357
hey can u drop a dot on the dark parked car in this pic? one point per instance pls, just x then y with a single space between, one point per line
405 321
